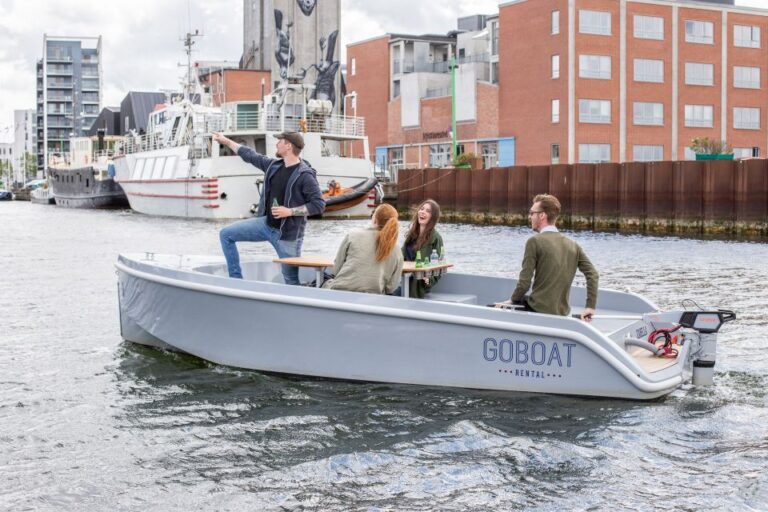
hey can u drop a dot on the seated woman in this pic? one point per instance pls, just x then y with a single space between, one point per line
422 237
368 259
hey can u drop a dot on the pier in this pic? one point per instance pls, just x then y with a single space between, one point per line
724 198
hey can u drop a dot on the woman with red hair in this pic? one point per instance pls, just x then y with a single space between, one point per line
368 259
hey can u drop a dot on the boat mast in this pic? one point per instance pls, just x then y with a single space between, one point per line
188 43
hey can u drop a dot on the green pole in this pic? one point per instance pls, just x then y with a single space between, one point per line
453 109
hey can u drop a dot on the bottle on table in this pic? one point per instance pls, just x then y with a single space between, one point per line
419 262
433 258
441 259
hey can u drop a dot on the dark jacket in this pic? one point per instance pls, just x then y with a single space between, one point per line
302 189
417 287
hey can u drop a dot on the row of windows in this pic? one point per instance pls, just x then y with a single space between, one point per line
601 153
652 114
652 71
652 27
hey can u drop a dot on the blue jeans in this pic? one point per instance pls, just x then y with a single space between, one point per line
257 230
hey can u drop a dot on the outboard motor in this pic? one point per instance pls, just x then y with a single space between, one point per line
707 323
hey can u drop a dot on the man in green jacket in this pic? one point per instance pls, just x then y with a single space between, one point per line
551 260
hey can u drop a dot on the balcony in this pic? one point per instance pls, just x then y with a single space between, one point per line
59 84
58 57
437 92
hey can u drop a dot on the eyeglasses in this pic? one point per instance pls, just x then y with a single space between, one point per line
531 212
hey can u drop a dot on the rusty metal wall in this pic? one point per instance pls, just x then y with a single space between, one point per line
718 196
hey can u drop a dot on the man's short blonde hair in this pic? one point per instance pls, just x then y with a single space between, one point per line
549 205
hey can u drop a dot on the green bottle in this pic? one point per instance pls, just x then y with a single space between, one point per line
275 204
419 262
442 254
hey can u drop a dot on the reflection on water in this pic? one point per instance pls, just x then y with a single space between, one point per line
91 423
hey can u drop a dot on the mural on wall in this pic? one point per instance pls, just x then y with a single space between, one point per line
307 6
325 83
285 55
283 50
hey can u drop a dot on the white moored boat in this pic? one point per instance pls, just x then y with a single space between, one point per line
177 170
451 338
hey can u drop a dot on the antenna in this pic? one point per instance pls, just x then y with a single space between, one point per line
188 43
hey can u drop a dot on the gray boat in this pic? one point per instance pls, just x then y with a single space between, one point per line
451 338
84 177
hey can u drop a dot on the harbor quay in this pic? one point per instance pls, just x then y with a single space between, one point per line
718 197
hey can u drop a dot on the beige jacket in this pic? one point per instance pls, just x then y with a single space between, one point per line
356 269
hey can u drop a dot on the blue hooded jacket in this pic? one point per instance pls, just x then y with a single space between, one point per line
302 189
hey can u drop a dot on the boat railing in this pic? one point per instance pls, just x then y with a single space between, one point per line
140 143
331 124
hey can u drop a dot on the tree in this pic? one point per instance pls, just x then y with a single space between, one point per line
6 179
30 166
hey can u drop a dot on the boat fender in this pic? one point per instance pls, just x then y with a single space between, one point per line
634 342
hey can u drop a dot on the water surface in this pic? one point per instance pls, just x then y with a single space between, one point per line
88 422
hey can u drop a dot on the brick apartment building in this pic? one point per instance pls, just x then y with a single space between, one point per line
593 81
401 84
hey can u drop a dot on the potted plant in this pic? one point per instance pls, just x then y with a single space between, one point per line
465 161
710 149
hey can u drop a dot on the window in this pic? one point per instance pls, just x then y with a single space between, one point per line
555 111
595 66
395 159
647 153
746 118
354 66
754 151
746 77
698 116
595 22
554 153
697 73
595 111
650 114
489 152
742 152
699 32
395 88
689 154
594 153
555 22
439 155
648 27
746 36
648 70
555 66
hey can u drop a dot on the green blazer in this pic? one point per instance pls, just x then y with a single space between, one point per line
417 287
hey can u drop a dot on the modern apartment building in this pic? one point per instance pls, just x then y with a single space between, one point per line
402 85
631 80
69 92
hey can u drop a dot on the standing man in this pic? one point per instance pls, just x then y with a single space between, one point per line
289 195
551 260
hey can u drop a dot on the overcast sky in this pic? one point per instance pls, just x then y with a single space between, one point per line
141 38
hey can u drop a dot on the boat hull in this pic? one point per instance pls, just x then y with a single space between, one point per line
79 188
165 182
252 324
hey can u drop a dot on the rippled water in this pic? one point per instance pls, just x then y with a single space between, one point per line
88 422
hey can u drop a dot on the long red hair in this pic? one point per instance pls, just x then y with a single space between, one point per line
385 218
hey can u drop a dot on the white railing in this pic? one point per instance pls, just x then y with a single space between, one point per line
331 124
231 122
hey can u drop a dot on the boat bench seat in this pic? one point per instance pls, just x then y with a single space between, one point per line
461 298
